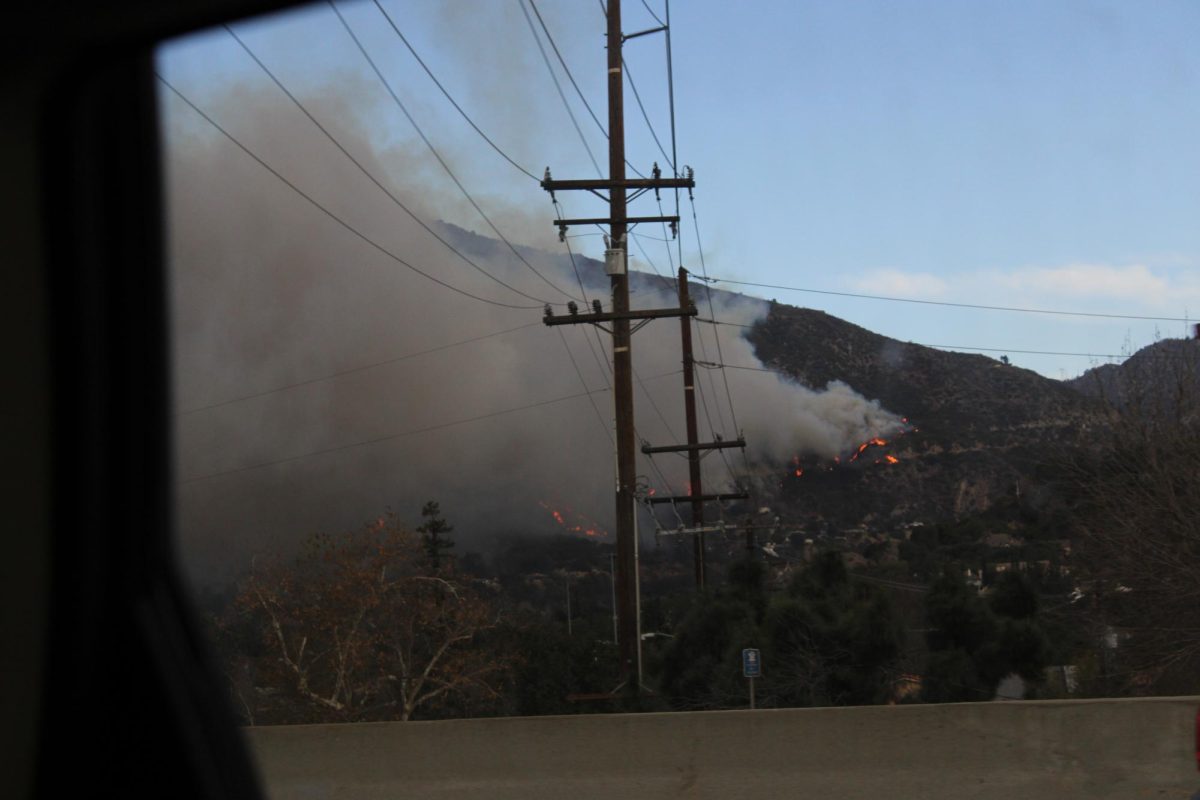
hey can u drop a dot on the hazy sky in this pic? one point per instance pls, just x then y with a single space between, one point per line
1035 154
1022 154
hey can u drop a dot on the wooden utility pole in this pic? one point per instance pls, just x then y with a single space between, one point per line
695 496
616 264
689 405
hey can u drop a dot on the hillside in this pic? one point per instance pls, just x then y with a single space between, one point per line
979 427
1152 378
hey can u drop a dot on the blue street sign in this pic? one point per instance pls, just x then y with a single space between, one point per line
751 663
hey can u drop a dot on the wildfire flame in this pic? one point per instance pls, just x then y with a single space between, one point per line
877 442
583 524
798 471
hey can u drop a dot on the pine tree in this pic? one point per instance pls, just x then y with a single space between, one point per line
433 535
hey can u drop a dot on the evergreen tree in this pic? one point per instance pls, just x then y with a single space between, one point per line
975 643
830 640
433 535
827 640
702 666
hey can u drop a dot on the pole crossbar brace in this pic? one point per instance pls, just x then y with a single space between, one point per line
698 498
562 224
593 184
717 528
625 37
690 448
646 314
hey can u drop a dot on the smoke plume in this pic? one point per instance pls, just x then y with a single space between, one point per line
318 381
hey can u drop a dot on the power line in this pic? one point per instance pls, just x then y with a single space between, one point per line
567 69
666 281
583 383
714 365
454 103
948 303
352 370
388 437
603 367
387 85
645 116
391 196
667 244
326 211
671 106
1022 352
950 346
716 336
603 372
412 432
651 11
562 95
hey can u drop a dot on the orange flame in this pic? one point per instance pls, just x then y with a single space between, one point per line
585 526
862 447
892 459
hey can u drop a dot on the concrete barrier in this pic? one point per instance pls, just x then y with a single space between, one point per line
1028 750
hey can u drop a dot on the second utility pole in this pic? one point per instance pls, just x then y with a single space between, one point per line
695 488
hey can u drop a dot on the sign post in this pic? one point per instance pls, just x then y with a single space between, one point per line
751 668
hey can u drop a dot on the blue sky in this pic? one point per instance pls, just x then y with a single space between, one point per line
1036 154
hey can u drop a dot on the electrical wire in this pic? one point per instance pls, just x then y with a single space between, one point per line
353 370
716 337
567 69
638 97
561 94
1022 352
604 367
671 107
325 210
952 346
387 85
667 283
583 383
390 195
403 434
645 236
453 102
651 12
603 372
712 311
385 438
979 306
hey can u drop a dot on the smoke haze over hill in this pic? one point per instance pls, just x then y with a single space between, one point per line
319 381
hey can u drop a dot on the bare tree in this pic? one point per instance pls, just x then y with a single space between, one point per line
1137 500
356 629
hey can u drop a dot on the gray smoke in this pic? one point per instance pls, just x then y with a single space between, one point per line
268 292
